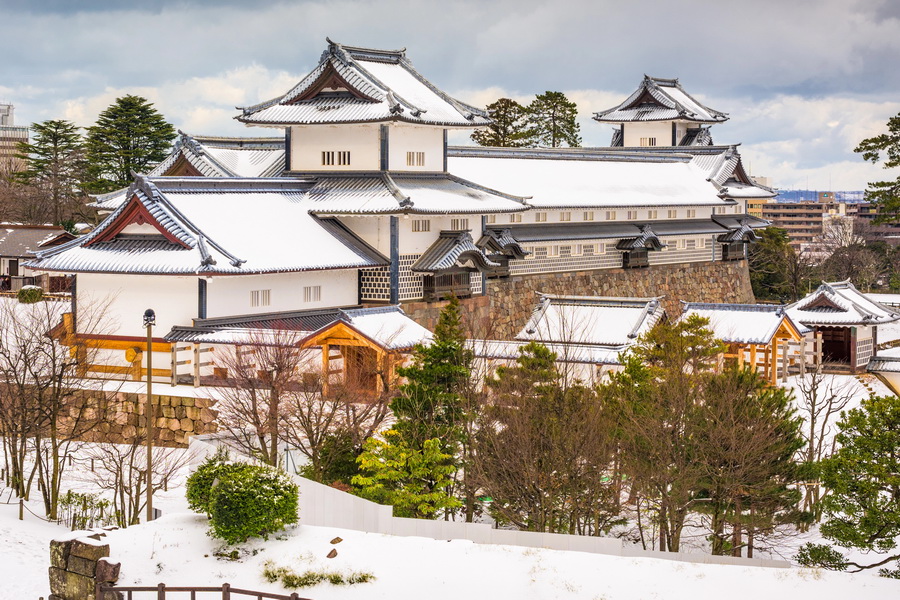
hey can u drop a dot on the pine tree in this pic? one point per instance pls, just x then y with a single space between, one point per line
509 128
885 194
551 121
129 136
55 165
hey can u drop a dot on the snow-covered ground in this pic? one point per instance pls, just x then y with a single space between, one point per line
177 551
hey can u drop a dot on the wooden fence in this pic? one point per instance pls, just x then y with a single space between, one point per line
162 591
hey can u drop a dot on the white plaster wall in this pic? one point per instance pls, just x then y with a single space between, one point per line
416 242
410 138
661 130
643 214
309 141
145 229
230 295
375 231
126 297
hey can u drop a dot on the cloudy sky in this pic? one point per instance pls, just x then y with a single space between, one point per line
803 80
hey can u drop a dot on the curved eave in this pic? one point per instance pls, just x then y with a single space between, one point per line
394 119
600 119
206 272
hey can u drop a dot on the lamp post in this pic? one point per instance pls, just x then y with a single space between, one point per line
149 322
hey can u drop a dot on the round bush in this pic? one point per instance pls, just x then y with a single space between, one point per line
252 501
201 481
29 294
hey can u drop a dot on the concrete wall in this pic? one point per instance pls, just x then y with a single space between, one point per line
509 302
324 506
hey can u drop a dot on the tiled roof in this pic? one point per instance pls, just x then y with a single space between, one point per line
567 353
659 99
394 193
647 239
388 326
741 323
290 327
588 178
361 85
840 303
595 321
451 250
215 225
22 241
501 242
697 136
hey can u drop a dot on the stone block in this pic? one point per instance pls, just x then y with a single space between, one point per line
71 585
192 413
179 412
187 425
106 571
207 415
82 566
168 412
187 402
90 549
59 553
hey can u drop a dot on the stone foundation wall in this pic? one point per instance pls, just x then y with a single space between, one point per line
78 564
176 418
503 311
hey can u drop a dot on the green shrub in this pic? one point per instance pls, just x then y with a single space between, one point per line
30 294
201 481
251 501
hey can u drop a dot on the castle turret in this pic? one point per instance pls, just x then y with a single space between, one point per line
661 113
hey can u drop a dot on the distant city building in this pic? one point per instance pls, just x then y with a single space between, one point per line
804 221
10 137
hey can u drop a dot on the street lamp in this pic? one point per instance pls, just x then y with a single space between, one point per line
149 322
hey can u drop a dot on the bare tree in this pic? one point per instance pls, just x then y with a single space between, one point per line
120 470
821 399
46 410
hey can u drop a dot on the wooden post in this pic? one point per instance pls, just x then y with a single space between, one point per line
803 356
173 356
196 365
21 509
161 592
740 355
753 358
766 375
773 366
226 591
326 367
818 348
784 362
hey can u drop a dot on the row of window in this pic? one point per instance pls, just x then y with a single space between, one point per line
258 298
610 215
599 248
341 158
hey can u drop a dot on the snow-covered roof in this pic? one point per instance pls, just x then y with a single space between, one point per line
658 99
570 353
840 303
591 320
204 225
892 300
452 249
364 85
394 193
21 241
742 323
588 178
210 156
388 326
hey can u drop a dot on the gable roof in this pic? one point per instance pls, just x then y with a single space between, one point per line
658 99
591 320
363 85
201 225
840 303
211 156
452 249
744 323
23 241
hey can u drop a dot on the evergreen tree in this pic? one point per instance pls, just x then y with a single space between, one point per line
551 121
430 404
863 477
54 164
509 128
885 194
129 136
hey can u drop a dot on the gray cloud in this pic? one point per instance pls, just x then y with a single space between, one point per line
746 58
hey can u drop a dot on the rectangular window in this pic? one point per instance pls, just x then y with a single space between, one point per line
610 215
673 214
632 215
421 225
651 214
540 252
565 251
312 293
260 298
515 218
565 216
554 250
587 249
459 224
331 158
589 215
701 243
415 159
682 244
491 219
691 213
690 244
540 217
648 141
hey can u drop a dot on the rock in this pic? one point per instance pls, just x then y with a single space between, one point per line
81 566
107 572
59 553
82 548
187 425
71 585
333 553
337 540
